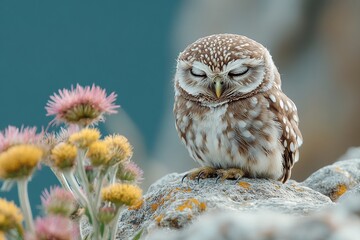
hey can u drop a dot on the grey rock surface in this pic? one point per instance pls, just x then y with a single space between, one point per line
170 204
333 223
336 179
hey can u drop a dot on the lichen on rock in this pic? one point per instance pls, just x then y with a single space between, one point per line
336 179
173 204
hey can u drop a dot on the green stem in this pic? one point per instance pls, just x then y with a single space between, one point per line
76 188
84 202
106 233
25 204
85 184
62 180
113 225
100 180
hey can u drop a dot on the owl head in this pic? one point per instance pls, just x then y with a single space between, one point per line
222 68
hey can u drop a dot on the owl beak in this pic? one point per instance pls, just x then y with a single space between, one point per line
218 84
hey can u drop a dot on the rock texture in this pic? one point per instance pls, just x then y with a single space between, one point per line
336 223
334 180
171 204
324 206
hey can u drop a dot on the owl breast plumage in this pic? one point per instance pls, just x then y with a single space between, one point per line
230 111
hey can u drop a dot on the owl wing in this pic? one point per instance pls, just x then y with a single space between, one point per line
291 138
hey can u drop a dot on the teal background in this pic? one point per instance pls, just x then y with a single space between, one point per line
122 46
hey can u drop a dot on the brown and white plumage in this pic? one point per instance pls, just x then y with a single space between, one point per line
230 111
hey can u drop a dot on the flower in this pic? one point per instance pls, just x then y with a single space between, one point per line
119 148
63 156
58 202
82 105
13 136
107 213
10 216
85 137
54 227
98 153
129 171
121 194
19 161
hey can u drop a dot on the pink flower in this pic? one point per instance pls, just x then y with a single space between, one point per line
130 172
12 136
54 228
82 105
58 201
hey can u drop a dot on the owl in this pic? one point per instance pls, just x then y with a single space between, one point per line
231 113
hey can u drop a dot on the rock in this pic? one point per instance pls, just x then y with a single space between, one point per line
171 204
334 223
334 180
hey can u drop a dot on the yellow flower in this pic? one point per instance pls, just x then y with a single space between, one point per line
122 194
98 153
119 148
85 137
63 155
10 216
19 161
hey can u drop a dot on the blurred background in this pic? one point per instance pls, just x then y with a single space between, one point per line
131 48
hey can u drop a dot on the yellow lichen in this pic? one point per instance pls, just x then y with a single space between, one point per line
154 206
19 161
340 190
202 206
190 204
137 205
159 218
244 185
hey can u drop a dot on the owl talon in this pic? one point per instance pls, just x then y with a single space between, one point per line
238 180
200 173
217 178
231 173
185 176
199 176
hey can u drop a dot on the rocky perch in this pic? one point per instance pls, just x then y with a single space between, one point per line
251 208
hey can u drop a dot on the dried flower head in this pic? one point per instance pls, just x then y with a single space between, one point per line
121 194
107 213
63 156
98 153
85 137
82 105
130 172
58 202
119 148
19 161
10 216
54 227
13 136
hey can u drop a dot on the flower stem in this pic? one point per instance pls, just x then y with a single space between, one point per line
100 180
61 179
113 226
25 204
83 200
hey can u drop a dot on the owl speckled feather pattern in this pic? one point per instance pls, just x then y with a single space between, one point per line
230 111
